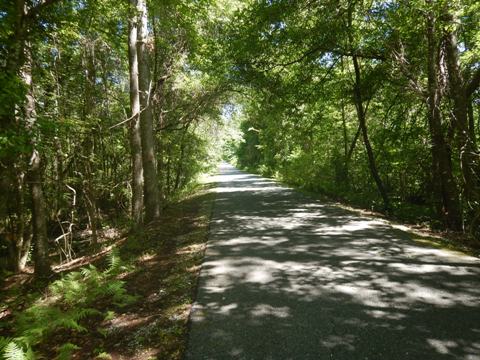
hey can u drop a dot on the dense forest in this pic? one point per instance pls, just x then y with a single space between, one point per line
103 106
111 110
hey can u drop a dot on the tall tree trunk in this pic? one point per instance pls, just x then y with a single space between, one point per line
345 136
19 114
466 144
35 177
357 92
151 188
446 195
135 137
366 141
88 180
12 118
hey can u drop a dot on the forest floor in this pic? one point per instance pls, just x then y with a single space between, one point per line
163 265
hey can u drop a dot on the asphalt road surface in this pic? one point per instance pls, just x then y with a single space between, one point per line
288 277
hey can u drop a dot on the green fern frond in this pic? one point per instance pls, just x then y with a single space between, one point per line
3 343
29 354
86 271
69 323
114 261
114 287
65 351
71 301
80 314
14 352
90 271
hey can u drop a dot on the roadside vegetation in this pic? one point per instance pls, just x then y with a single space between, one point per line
130 300
369 102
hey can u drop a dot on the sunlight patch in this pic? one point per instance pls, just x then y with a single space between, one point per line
261 276
268 310
349 227
442 346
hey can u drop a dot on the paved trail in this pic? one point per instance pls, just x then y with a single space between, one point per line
287 277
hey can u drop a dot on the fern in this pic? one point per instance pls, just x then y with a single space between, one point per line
79 314
66 350
13 351
3 343
71 300
116 265
114 262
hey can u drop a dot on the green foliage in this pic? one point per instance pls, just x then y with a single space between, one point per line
69 301
66 350
14 352
104 356
294 63
11 350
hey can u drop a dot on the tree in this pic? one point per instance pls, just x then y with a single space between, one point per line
21 111
135 134
151 189
460 91
442 166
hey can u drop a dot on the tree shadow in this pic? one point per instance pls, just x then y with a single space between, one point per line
286 277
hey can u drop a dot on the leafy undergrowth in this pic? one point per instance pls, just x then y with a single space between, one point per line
133 304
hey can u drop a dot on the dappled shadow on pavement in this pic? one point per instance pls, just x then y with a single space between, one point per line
287 277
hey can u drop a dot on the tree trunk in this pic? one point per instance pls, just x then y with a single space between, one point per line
471 122
39 219
357 92
346 156
41 256
88 180
22 242
20 115
458 92
179 170
366 141
446 195
151 189
135 137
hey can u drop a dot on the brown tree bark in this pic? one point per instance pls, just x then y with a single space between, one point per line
89 192
22 240
21 115
35 177
366 141
446 194
135 137
150 188
458 92
357 92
